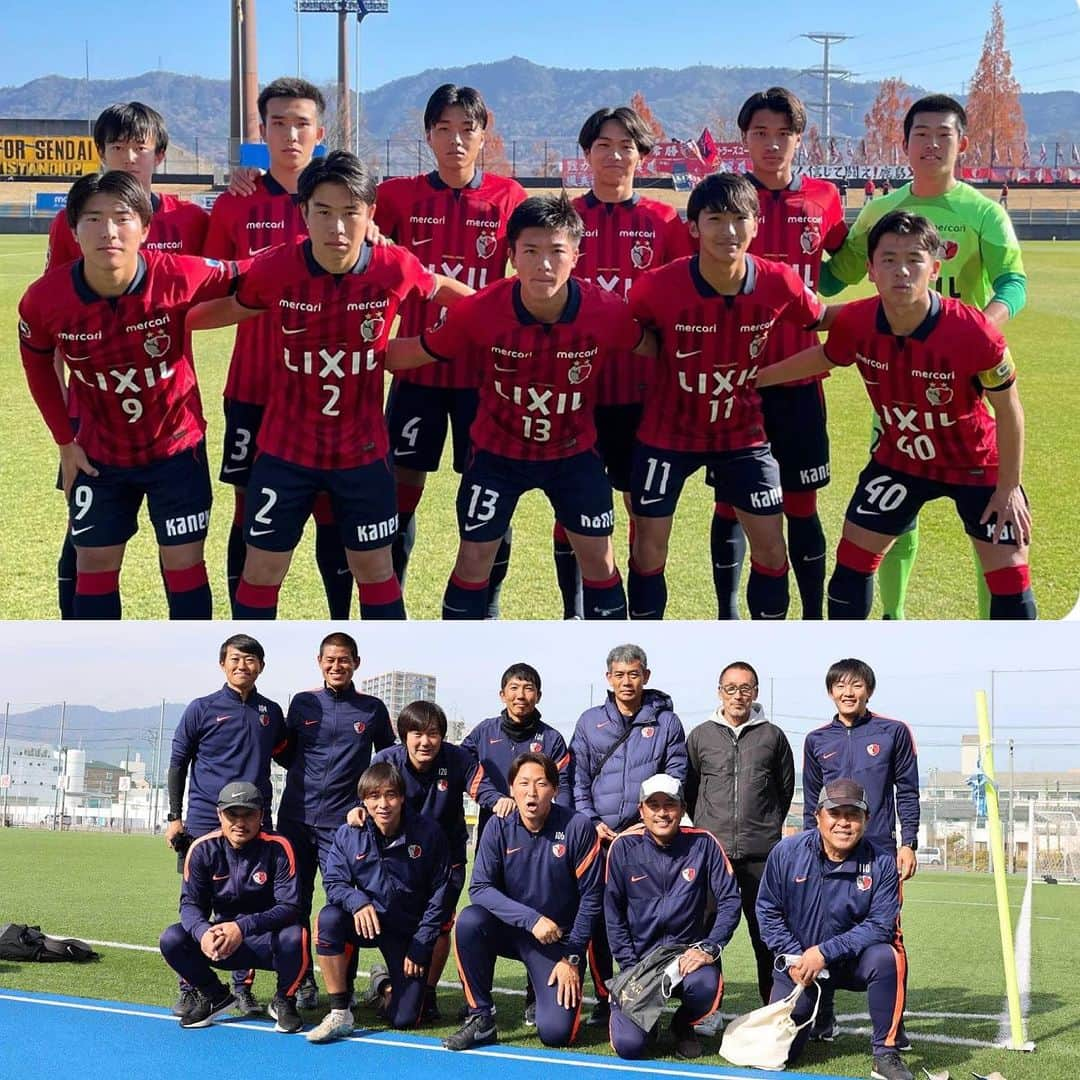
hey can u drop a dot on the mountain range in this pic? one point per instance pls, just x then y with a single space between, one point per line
529 101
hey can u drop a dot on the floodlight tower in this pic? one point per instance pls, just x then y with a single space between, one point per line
343 9
826 74
243 77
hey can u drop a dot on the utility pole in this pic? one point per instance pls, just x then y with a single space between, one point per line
1012 803
58 815
826 73
4 767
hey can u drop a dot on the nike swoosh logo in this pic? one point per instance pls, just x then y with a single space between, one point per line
509 370
478 525
226 469
459 610
220 719
649 502
511 850
221 877
298 330
831 753
258 251
417 243
683 355
403 453
259 532
85 528
607 610
348 571
799 880
363 856
639 877
75 359
492 742
865 512
308 723
642 614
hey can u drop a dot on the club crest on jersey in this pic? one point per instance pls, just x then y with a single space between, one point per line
536 747
486 243
641 255
873 749
863 882
648 732
947 249
260 877
939 395
359 727
558 850
579 372
264 719
689 873
442 784
372 327
757 344
24 329
415 851
157 344
810 239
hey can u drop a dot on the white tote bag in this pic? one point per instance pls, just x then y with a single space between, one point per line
762 1039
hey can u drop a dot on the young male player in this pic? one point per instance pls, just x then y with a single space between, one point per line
713 313
980 259
799 219
929 364
130 138
118 316
291 124
453 220
625 235
334 298
540 341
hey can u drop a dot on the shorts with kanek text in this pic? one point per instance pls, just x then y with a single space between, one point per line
616 436
418 416
888 501
104 509
798 435
491 486
242 423
281 495
747 479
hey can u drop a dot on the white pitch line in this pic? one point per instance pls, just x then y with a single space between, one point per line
975 903
1022 959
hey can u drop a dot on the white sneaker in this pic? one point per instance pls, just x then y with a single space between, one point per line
336 1024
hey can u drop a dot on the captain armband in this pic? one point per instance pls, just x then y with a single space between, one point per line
1001 376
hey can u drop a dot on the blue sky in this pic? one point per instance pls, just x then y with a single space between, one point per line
935 45
927 672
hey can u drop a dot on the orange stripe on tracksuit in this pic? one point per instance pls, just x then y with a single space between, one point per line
901 976
469 996
716 1002
303 965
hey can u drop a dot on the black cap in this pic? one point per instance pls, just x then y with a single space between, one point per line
843 793
240 795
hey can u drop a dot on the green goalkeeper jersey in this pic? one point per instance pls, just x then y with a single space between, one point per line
980 249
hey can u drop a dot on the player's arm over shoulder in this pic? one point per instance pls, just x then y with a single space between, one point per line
441 344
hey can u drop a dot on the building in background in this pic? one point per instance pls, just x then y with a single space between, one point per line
398 688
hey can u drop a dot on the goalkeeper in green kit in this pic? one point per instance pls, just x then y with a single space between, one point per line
981 265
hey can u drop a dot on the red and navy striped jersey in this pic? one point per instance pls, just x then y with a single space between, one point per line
324 406
177 227
701 397
621 242
129 355
796 226
457 232
538 380
243 226
928 388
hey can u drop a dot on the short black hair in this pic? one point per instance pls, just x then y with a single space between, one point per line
421 716
289 87
530 757
935 103
851 668
777 99
742 665
902 223
243 643
723 193
636 128
447 96
379 775
130 120
523 671
337 167
342 641
552 212
117 183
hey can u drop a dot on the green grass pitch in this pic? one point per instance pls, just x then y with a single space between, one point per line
943 585
124 889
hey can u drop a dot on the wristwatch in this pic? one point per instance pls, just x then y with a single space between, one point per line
574 959
174 817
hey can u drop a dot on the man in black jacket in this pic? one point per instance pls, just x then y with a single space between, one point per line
739 784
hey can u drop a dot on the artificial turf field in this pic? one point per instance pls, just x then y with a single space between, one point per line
942 587
123 890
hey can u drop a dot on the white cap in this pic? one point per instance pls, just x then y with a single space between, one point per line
661 783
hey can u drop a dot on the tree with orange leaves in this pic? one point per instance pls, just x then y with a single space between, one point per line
995 117
641 107
885 123
493 157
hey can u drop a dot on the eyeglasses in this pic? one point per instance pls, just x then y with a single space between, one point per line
738 691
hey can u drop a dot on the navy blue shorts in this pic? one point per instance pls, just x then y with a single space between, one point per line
798 435
418 417
242 423
616 436
747 479
103 510
888 501
281 496
491 486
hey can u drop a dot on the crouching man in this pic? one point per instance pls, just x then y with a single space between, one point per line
829 899
660 877
239 909
387 886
